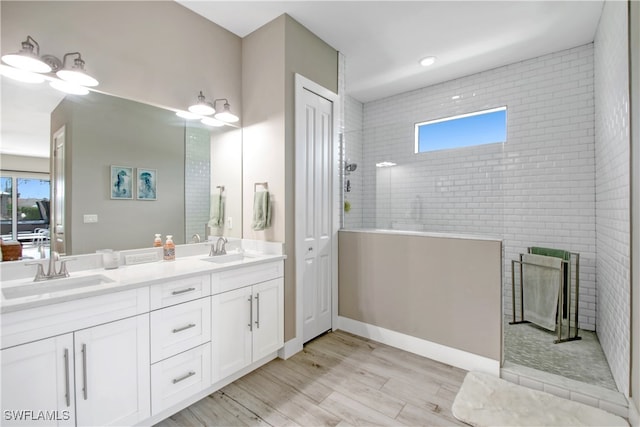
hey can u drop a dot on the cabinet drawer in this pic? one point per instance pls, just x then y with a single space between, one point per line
178 291
37 323
179 328
228 280
180 377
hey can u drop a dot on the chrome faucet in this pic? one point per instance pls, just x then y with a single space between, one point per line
219 247
195 238
51 272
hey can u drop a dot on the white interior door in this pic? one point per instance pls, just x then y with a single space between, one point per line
314 211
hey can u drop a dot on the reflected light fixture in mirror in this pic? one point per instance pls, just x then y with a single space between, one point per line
210 121
67 87
226 115
187 115
73 77
202 107
21 75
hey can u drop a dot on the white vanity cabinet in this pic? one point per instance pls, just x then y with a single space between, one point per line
38 376
109 385
89 357
248 321
135 356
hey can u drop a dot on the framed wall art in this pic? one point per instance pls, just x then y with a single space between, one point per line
121 183
147 180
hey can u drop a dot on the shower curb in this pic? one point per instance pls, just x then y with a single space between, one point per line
598 397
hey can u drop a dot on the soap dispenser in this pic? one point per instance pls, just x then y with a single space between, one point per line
169 249
157 242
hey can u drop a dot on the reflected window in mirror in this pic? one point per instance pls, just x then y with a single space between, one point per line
24 208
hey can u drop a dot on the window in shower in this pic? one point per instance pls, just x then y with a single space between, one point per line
465 130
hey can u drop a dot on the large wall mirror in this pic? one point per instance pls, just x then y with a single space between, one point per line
125 170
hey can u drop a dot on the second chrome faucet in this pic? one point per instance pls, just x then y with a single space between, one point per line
219 247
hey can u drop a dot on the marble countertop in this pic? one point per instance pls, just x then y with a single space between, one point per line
123 278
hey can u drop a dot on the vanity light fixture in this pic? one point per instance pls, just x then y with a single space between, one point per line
75 73
206 108
27 59
226 115
202 107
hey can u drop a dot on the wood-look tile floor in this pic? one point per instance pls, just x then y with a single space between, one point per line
338 379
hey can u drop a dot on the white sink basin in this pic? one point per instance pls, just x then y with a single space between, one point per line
55 285
224 259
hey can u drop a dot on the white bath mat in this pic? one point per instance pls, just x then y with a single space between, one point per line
485 400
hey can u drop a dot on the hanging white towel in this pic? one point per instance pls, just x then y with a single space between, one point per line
261 210
540 288
216 211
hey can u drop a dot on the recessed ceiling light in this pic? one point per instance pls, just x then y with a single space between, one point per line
429 60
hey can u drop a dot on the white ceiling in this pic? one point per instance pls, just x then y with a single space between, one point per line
381 40
26 115
384 40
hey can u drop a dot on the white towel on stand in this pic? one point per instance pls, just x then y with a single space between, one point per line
540 288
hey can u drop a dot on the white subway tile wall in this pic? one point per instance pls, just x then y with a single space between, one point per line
536 190
612 189
197 180
353 154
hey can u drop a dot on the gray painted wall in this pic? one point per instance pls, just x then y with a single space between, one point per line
271 56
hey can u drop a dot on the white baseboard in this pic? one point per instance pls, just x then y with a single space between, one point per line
290 348
451 356
634 415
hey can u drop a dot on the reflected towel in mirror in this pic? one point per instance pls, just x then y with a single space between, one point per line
217 211
261 210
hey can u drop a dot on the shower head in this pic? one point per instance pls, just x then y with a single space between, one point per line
350 167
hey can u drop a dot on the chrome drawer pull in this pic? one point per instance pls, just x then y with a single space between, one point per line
184 328
250 314
182 291
258 311
66 377
85 389
190 374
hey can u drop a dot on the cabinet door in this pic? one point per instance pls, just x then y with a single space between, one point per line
268 317
231 332
112 373
37 382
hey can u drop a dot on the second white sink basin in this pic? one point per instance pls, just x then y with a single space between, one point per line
55 285
223 259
